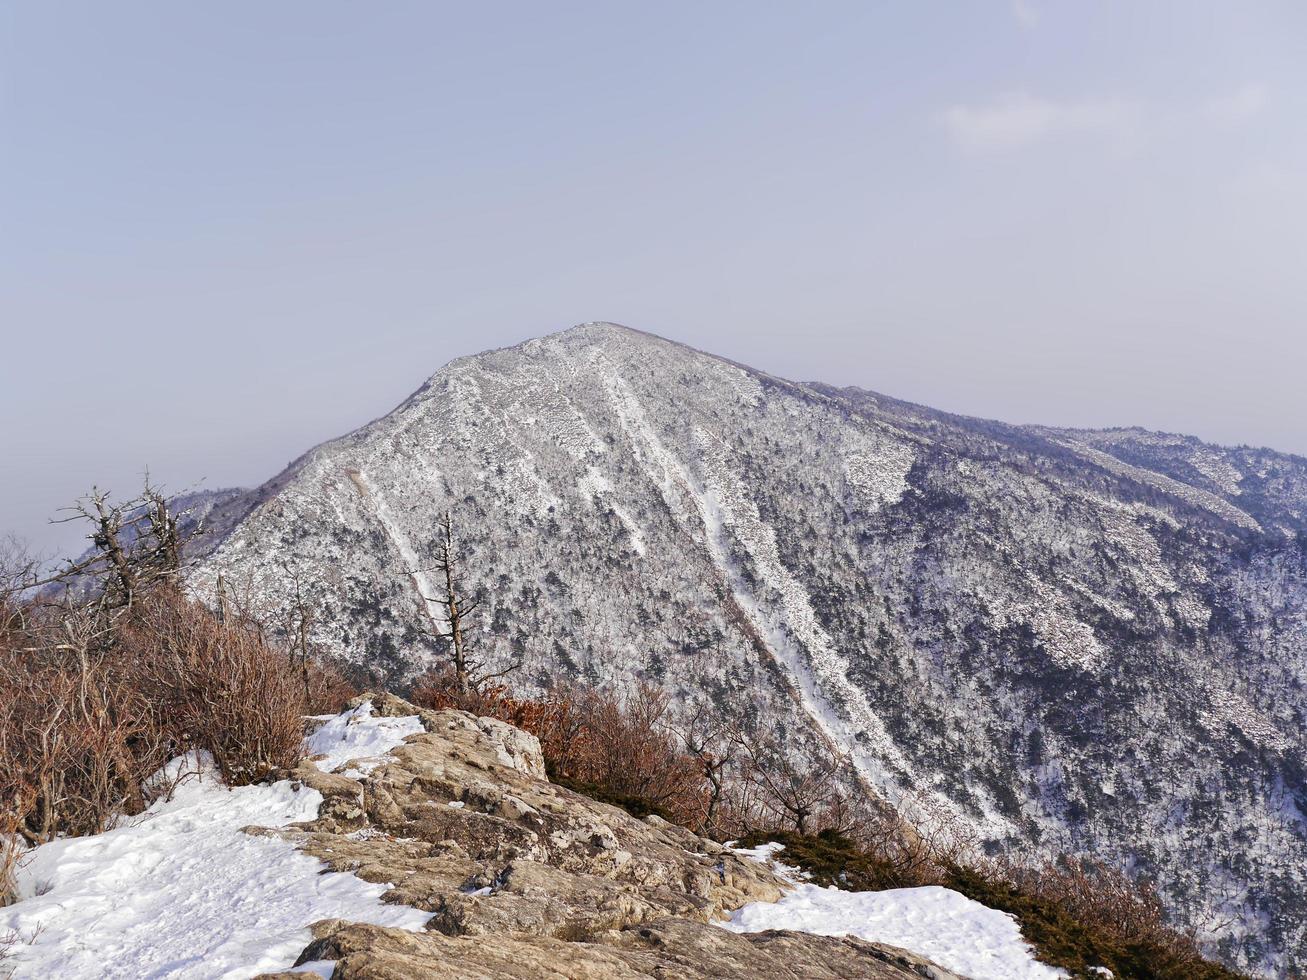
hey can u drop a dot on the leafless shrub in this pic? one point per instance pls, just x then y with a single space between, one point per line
778 790
18 569
104 680
326 687
217 686
558 719
77 735
1081 914
1124 910
629 747
917 839
706 740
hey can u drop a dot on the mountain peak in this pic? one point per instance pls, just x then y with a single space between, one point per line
606 332
1084 619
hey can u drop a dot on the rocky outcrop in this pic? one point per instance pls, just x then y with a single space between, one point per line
667 948
527 879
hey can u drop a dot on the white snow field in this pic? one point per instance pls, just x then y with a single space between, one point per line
960 935
180 893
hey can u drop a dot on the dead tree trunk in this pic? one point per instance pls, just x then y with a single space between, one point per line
136 546
447 563
298 632
457 608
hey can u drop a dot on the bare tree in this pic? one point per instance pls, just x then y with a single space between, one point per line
804 798
299 627
468 668
18 569
707 740
136 545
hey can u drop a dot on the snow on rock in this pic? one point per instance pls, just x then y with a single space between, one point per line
357 737
1067 640
943 925
1218 469
181 892
1230 709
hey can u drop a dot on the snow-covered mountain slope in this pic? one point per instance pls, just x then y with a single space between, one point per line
1083 640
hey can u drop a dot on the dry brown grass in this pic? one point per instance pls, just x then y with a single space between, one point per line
217 686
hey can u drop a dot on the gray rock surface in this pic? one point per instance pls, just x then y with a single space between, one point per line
667 949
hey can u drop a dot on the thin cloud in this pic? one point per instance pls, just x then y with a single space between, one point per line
1248 100
1272 182
1026 13
1020 119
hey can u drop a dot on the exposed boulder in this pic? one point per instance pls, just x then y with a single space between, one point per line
668 948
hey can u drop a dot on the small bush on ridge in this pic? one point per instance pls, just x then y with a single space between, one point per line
217 686
87 715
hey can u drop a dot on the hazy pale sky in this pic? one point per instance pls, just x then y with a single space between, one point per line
229 231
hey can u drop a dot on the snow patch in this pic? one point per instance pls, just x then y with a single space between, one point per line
938 923
358 738
181 892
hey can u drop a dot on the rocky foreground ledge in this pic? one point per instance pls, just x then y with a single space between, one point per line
527 879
